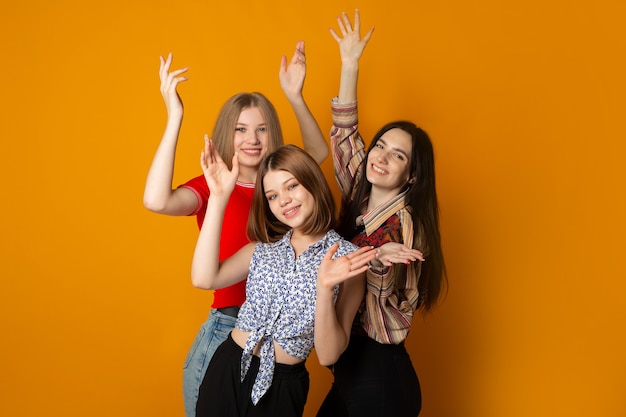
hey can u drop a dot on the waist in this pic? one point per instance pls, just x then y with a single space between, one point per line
229 311
280 356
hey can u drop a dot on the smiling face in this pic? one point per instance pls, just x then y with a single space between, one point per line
389 160
251 138
289 201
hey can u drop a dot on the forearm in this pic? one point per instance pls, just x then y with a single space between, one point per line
205 263
313 140
330 338
348 81
158 188
347 145
335 321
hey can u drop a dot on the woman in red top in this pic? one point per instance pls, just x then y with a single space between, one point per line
247 125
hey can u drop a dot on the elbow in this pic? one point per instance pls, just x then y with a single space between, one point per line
327 360
321 154
153 204
200 282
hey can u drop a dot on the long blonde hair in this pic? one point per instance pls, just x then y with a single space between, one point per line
226 122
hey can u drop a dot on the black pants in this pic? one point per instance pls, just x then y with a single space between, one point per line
223 394
373 380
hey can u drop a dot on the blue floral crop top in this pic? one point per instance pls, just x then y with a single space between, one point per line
280 303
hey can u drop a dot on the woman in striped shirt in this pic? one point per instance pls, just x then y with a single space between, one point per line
389 201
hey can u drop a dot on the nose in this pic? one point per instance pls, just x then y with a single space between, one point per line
284 200
382 157
253 137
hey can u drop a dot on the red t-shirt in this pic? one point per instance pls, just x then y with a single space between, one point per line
234 232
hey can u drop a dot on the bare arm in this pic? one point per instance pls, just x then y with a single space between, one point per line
292 77
206 270
158 194
333 320
351 47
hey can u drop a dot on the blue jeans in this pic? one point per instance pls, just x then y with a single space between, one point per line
211 334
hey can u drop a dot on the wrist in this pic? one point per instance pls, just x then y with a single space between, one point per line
379 269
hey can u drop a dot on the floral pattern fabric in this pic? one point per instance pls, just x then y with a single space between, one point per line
280 303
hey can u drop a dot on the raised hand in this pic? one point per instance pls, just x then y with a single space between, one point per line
292 74
335 271
351 45
396 253
169 82
219 178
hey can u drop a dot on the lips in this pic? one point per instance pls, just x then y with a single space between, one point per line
291 212
378 170
252 152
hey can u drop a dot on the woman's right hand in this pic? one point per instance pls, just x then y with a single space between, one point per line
351 45
219 178
169 82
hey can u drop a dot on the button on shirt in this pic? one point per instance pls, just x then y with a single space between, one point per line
280 303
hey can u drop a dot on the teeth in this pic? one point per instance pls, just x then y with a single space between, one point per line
380 171
252 151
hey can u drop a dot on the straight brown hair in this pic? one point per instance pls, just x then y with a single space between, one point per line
263 226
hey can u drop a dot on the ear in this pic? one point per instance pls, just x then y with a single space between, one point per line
412 180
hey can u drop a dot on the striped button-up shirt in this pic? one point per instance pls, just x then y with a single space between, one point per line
389 303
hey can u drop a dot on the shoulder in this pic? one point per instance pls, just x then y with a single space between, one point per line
345 247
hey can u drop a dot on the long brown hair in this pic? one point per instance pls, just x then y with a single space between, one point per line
421 200
263 226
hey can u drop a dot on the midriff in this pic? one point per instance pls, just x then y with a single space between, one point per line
240 337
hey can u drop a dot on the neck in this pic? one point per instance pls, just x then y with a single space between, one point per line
247 174
300 242
379 196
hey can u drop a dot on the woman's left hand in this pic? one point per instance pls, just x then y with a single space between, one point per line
332 272
396 253
292 74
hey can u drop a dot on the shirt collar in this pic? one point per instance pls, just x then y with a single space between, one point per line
373 219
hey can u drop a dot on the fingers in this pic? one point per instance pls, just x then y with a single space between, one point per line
368 35
342 28
345 23
170 78
235 164
399 258
366 252
298 55
300 47
331 251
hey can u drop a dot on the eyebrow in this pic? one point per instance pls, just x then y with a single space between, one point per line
284 182
246 124
402 151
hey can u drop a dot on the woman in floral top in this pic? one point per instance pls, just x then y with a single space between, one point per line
389 201
297 261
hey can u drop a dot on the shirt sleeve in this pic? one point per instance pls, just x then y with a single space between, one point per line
200 188
392 300
347 146
390 306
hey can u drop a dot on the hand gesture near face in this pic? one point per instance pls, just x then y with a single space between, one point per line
219 178
169 82
351 45
332 272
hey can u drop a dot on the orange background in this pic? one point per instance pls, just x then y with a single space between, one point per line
523 100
